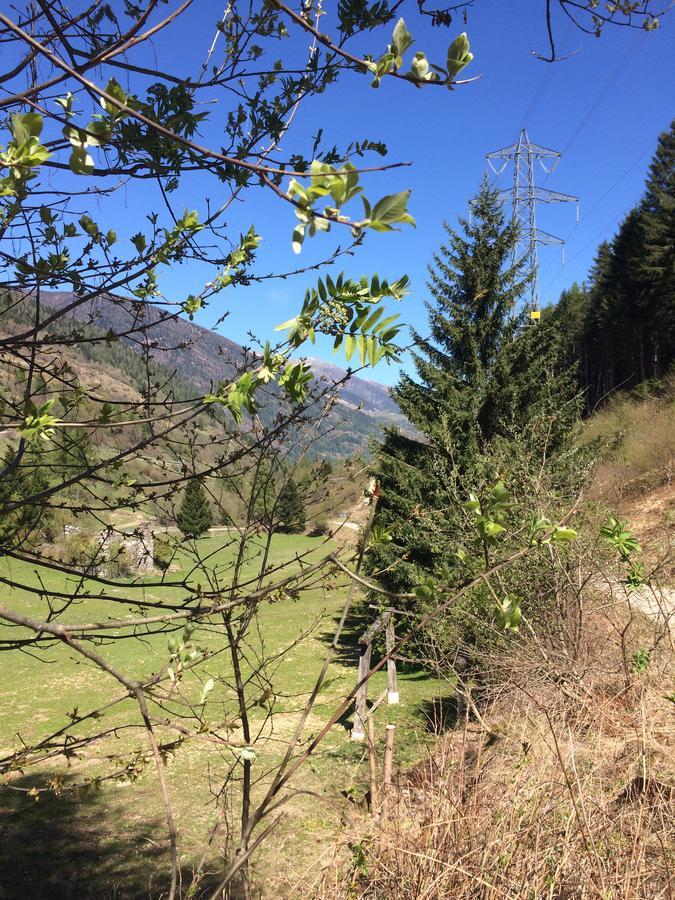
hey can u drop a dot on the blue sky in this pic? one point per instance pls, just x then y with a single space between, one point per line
604 107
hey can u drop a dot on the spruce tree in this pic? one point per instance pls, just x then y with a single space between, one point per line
9 485
290 509
474 288
194 515
493 397
264 492
628 331
25 480
658 259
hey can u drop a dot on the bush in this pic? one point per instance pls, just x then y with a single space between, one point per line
118 562
163 554
319 528
81 550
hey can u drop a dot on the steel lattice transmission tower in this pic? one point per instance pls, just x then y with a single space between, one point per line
524 196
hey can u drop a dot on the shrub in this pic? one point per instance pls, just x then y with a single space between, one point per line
81 550
118 562
163 554
319 528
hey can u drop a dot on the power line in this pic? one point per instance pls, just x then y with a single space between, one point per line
593 240
543 84
539 93
601 94
649 149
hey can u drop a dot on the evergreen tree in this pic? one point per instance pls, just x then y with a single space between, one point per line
264 492
194 515
23 481
659 247
290 509
627 332
493 399
9 485
475 289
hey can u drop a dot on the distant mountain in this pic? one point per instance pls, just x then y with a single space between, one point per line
373 397
203 357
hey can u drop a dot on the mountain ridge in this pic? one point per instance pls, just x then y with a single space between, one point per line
203 357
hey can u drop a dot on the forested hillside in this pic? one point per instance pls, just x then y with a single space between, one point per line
621 323
112 331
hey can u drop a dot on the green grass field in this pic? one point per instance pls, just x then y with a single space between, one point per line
121 823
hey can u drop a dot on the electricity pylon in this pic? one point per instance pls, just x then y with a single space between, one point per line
524 196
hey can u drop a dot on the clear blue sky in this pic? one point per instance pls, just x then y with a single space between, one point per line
604 108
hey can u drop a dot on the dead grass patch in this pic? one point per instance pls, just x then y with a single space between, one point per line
567 792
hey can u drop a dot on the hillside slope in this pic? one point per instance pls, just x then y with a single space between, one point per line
203 357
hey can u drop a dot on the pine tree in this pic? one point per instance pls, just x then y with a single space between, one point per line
264 492
28 479
628 332
493 398
290 509
9 485
658 259
475 289
194 515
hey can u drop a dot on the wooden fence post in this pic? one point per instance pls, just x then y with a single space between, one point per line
372 764
392 687
359 729
388 761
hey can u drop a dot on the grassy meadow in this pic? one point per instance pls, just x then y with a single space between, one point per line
106 828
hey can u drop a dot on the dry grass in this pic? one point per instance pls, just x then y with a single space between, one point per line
638 437
569 790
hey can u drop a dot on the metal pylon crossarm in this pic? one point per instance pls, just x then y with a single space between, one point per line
524 195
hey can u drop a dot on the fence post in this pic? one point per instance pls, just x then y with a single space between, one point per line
361 711
392 687
372 764
388 761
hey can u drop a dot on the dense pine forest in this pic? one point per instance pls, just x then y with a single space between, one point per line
620 324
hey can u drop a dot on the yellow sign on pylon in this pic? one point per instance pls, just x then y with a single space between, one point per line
535 314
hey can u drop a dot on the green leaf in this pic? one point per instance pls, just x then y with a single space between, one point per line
500 494
419 66
458 55
246 753
401 39
564 535
80 161
298 237
206 690
25 126
139 242
97 134
390 210
87 224
115 90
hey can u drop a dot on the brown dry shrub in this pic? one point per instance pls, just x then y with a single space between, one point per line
568 791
